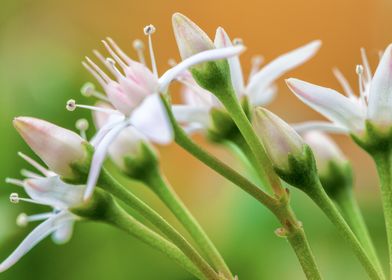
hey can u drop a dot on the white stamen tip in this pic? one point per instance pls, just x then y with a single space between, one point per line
87 89
238 41
14 198
138 44
172 62
111 61
81 124
149 29
359 69
71 105
22 220
257 60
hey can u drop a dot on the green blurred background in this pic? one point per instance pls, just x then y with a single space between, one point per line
41 45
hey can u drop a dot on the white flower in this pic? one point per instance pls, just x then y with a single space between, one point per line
349 113
134 93
260 88
49 190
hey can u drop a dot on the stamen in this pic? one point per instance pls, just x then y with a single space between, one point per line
98 70
138 45
15 182
88 90
14 198
344 83
149 30
256 62
71 106
101 81
112 64
172 62
82 126
29 174
22 220
359 70
35 164
238 41
119 51
365 61
114 55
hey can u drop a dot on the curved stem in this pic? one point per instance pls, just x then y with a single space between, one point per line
166 193
352 213
384 167
320 197
107 182
119 218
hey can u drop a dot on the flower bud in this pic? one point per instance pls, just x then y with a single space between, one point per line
334 169
58 147
191 39
290 156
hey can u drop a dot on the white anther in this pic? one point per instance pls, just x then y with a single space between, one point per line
359 69
14 198
149 29
88 89
172 62
81 124
71 105
138 44
238 41
22 220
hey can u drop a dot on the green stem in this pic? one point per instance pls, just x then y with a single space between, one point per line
351 211
119 218
166 193
107 182
384 167
320 197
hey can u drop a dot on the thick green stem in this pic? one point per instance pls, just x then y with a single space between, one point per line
119 218
384 167
349 207
166 193
320 197
107 182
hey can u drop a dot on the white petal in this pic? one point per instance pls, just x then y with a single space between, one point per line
222 40
113 120
37 235
330 103
99 157
279 66
151 119
319 126
191 114
64 233
380 99
53 191
201 57
265 97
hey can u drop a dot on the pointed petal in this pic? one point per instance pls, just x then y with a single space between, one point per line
151 119
380 99
55 192
99 157
222 40
265 97
185 114
36 236
112 121
201 57
329 103
281 65
319 126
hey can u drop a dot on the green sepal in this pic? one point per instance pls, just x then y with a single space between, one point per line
97 207
213 76
142 164
374 140
301 171
337 177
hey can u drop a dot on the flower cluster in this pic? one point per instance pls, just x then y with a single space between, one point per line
134 111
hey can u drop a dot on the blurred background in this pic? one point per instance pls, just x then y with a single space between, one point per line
41 45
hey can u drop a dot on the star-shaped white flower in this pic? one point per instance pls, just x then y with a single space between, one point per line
49 190
348 114
134 93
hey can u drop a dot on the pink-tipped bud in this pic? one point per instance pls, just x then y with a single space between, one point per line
58 147
191 39
280 139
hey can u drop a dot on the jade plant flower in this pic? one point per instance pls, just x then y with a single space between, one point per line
259 89
349 113
49 190
133 91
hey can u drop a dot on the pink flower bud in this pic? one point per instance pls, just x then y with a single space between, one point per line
190 38
56 146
